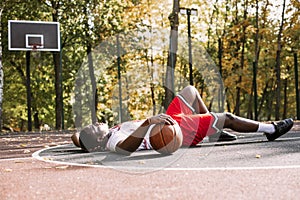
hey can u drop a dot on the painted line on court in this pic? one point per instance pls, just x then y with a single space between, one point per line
13 159
36 155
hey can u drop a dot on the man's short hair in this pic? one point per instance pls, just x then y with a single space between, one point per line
88 139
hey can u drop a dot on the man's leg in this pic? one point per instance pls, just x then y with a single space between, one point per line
193 98
240 124
272 131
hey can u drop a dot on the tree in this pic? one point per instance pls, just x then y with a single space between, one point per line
278 63
55 5
256 59
172 56
1 70
240 35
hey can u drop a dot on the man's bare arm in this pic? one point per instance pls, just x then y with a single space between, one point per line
132 142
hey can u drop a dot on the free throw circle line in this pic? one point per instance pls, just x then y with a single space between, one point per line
36 155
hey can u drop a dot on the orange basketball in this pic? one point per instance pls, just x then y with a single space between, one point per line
166 139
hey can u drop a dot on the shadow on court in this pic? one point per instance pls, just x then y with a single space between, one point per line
249 151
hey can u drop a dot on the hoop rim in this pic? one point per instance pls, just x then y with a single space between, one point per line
35 46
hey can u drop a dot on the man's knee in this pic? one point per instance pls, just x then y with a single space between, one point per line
230 116
191 88
229 120
189 91
189 94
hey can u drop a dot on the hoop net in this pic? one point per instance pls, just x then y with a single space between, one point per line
36 46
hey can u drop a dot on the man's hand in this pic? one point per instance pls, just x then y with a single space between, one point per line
132 142
161 118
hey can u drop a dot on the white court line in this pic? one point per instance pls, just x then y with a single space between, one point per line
37 156
13 159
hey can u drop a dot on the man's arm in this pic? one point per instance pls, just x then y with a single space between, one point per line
132 142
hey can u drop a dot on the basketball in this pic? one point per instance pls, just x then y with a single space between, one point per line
166 139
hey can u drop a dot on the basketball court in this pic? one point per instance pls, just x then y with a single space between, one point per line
249 168
48 166
249 152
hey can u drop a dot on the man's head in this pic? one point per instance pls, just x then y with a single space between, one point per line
91 137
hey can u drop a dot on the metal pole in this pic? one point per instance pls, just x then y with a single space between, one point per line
119 78
189 12
190 46
28 90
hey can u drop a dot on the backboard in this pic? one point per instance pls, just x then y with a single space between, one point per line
33 35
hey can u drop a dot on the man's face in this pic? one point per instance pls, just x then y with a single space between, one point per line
101 130
92 137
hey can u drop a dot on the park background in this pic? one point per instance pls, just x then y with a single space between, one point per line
253 44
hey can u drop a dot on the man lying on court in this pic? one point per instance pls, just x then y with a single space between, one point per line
186 110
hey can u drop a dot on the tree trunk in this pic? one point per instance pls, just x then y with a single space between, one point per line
265 95
255 64
58 91
93 97
221 91
220 59
77 106
93 100
238 93
285 95
1 83
296 84
1 69
169 82
58 75
278 63
36 120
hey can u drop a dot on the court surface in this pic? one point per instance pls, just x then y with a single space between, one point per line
249 168
248 152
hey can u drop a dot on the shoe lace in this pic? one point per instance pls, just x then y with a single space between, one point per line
283 124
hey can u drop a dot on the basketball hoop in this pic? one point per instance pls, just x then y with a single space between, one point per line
34 41
33 35
36 46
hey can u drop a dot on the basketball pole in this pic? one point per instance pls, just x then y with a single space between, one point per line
28 90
